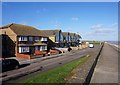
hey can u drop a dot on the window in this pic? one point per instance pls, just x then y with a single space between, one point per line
36 48
57 37
43 48
22 38
30 38
69 38
66 38
23 49
61 37
36 38
43 39
40 48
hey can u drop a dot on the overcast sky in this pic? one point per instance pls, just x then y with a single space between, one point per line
93 20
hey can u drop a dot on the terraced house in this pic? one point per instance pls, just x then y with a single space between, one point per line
55 38
24 41
67 39
74 38
77 39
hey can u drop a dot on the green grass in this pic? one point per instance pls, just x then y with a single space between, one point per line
95 42
56 75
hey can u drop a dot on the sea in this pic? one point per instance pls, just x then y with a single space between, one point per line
114 42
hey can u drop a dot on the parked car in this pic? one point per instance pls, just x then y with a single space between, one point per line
9 64
91 46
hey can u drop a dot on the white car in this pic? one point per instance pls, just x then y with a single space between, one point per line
91 46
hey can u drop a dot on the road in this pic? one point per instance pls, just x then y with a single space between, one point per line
106 70
41 66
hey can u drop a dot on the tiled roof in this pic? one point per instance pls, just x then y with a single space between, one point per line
72 34
24 30
78 35
49 32
65 33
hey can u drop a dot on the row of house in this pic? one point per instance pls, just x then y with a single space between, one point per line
26 41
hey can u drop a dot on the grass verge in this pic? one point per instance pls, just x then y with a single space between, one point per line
56 75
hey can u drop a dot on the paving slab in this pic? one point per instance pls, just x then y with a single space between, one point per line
106 70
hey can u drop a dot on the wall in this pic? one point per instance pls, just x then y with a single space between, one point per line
52 38
11 41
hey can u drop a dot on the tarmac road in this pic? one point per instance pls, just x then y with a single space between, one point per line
38 67
106 70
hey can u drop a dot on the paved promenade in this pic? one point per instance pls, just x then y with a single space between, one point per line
106 70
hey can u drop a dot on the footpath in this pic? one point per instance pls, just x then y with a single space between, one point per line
106 70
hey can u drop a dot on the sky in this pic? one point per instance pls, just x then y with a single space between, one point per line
92 20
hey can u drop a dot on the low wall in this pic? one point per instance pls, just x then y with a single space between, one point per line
90 73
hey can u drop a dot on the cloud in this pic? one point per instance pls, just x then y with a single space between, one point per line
96 26
103 31
114 25
75 18
100 29
57 26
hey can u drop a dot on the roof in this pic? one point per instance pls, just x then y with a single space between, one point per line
65 33
23 30
78 35
49 32
72 34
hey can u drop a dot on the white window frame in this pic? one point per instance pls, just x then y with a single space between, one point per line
22 38
24 49
43 48
43 39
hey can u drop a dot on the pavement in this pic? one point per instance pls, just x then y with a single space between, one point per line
106 70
